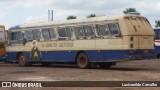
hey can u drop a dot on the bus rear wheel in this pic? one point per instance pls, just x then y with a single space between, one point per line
21 60
82 61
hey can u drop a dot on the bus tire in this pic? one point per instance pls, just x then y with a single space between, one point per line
21 60
83 61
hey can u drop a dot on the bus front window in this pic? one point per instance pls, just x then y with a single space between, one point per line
1 34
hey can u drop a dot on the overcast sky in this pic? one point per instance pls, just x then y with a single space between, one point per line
15 12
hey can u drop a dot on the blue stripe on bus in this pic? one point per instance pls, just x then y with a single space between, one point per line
93 55
157 48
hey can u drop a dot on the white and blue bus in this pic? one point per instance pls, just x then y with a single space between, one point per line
157 41
101 40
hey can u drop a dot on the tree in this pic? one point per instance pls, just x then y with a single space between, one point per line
71 17
157 23
129 10
90 16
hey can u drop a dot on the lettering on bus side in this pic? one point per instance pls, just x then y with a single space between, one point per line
64 44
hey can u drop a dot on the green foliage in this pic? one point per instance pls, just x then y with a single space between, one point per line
71 17
90 16
129 10
157 23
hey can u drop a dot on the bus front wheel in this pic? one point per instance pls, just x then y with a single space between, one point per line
82 61
21 60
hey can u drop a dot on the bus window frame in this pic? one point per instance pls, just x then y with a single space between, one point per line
109 35
55 33
46 29
40 34
77 36
59 37
27 34
89 36
118 29
98 30
18 40
3 32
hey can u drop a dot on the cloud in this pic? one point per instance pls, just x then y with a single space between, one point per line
36 10
31 19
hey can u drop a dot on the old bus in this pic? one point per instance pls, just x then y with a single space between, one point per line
2 43
157 41
100 40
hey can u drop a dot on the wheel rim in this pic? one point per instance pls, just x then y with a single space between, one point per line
22 60
82 60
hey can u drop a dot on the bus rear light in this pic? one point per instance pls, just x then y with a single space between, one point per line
145 51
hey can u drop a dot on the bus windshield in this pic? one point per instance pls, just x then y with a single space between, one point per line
1 34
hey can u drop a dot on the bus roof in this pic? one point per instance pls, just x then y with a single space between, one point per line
73 21
157 28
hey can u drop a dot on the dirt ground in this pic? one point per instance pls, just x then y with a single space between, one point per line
144 70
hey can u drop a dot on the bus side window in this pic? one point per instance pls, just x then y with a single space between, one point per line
157 34
52 34
37 34
45 33
113 29
88 31
103 30
17 38
14 36
29 35
80 34
69 32
62 33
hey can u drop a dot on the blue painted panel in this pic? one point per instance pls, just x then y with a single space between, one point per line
157 49
93 55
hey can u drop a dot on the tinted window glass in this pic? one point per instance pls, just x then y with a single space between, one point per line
37 34
52 33
29 35
157 34
88 30
103 30
62 32
45 33
69 33
20 36
1 34
79 31
14 36
113 28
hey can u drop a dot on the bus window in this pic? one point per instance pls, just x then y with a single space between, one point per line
157 35
29 35
1 35
37 34
79 32
52 34
69 33
103 30
113 29
45 34
62 32
88 30
14 35
17 38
